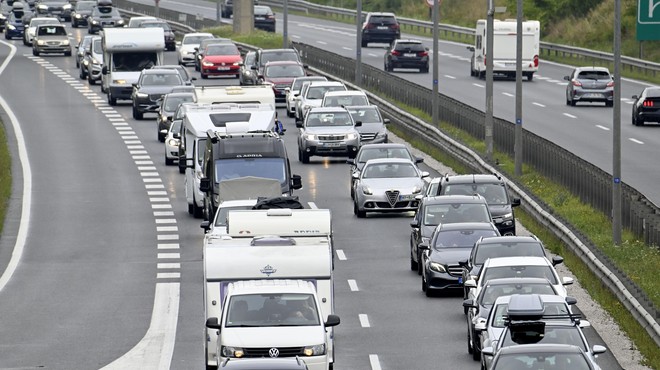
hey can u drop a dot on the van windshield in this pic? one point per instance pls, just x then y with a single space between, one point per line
270 168
283 309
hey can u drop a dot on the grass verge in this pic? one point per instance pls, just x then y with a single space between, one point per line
5 175
262 39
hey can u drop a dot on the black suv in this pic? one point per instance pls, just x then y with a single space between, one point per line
407 54
380 27
491 187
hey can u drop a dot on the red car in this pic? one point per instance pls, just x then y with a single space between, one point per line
281 75
221 60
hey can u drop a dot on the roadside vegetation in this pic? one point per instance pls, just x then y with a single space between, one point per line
5 175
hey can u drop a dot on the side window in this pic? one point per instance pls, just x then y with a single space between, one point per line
478 42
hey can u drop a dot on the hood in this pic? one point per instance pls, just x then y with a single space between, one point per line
279 336
280 80
450 256
405 185
330 130
371 127
228 59
129 77
499 210
188 48
156 89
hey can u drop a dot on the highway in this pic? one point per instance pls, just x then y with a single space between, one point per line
111 267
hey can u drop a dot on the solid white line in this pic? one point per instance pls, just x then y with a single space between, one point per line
603 128
353 285
341 255
539 104
450 77
346 48
364 320
26 204
312 205
569 115
375 363
635 141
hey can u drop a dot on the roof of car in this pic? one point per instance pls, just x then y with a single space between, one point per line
180 94
538 347
282 63
238 203
326 110
516 261
358 107
518 280
544 298
476 178
448 199
407 41
344 93
387 160
160 71
384 145
593 68
509 239
382 14
324 83
195 34
466 226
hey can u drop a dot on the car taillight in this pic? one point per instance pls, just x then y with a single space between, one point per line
536 61
369 26
576 83
422 54
397 53
610 84
271 17
394 26
647 103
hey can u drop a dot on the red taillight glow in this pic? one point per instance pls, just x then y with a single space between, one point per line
394 26
536 61
610 84
648 103
422 54
396 53
576 83
369 26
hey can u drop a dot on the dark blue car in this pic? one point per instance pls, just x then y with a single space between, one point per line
14 26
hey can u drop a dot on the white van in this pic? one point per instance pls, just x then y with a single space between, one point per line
257 94
273 318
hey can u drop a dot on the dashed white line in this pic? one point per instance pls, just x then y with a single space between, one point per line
372 55
167 229
154 186
163 221
168 266
353 285
152 180
346 48
168 237
364 320
322 42
374 362
161 206
154 193
450 77
539 104
295 36
159 200
508 94
603 128
169 255
135 146
168 275
569 115
168 245
636 141
341 255
478 85
149 174
164 214
146 168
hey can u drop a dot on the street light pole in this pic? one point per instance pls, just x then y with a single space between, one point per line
518 147
435 98
616 137
489 81
358 46
285 25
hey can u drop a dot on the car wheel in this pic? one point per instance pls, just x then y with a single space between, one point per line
476 352
168 161
161 137
81 75
26 44
190 209
7 36
364 43
304 157
413 265
640 121
571 102
289 114
182 169
137 114
111 99
196 67
204 76
469 340
197 212
35 52
67 53
90 80
358 212
530 76
425 69
609 103
419 264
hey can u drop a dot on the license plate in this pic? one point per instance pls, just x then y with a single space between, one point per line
223 68
382 27
406 197
331 145
460 280
259 18
409 55
593 96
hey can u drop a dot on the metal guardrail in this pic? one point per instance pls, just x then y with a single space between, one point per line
467 34
631 296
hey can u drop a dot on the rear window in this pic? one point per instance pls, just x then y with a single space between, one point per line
409 46
653 93
594 75
493 250
379 19
544 272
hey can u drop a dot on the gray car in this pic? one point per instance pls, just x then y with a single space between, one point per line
152 85
388 185
590 84
92 62
373 130
51 38
328 132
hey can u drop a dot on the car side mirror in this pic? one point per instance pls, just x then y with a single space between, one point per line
463 263
596 350
135 85
515 202
425 174
299 124
305 66
333 320
571 301
351 161
206 225
296 182
488 351
104 70
386 121
470 284
355 175
176 136
287 89
254 68
567 78
178 43
358 123
566 280
424 247
635 97
469 303
557 260
205 185
196 49
419 159
471 48
414 224
212 323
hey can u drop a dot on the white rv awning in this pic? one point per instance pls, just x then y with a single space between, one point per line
282 222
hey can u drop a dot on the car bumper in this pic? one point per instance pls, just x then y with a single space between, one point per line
506 227
408 63
439 280
650 116
121 91
388 37
270 26
52 49
380 203
220 70
13 33
333 149
586 95
172 149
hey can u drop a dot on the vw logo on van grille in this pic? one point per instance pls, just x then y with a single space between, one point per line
273 352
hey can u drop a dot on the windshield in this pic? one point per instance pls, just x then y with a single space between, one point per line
162 25
270 168
594 75
373 153
345 100
277 56
329 119
85 5
553 335
172 102
161 79
460 238
499 272
221 217
249 58
262 310
491 292
222 49
194 40
436 214
51 31
98 47
389 170
298 82
284 71
366 115
201 147
542 361
133 61
317 92
492 250
495 194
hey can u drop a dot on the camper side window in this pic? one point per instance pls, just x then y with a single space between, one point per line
478 41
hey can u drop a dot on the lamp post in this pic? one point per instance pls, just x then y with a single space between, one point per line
616 125
285 25
488 134
517 146
358 46
435 99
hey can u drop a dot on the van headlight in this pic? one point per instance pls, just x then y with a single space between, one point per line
316 350
142 95
236 352
94 61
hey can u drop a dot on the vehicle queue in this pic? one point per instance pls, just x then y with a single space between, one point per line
385 178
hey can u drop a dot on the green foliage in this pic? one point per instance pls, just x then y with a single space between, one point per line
262 39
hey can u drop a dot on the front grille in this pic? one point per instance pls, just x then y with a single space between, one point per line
367 137
403 204
455 270
331 137
109 23
155 97
392 197
264 352
55 8
53 43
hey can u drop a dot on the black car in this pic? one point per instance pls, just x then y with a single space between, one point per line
248 75
264 18
199 51
168 106
226 8
381 28
407 54
274 55
449 244
183 72
81 12
503 246
373 130
104 16
152 85
170 40
54 8
448 209
646 107
491 187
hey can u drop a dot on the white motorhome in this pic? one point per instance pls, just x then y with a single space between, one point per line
200 118
259 94
273 318
126 52
504 48
264 245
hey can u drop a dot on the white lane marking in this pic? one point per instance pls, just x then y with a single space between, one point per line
539 104
141 157
26 204
167 229
168 245
143 162
312 205
372 55
169 255
478 85
353 285
161 206
152 180
295 36
569 115
149 174
346 48
364 320
322 42
635 140
168 237
374 362
159 192
145 168
168 266
603 128
541 77
154 186
164 214
508 94
135 146
163 221
127 142
160 275
341 255
128 137
554 81
450 77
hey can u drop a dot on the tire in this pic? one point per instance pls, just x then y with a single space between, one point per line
289 114
182 170
26 44
413 265
419 265
469 346
609 103
67 53
82 75
90 80
476 352
35 52
111 99
530 76
640 122
137 114
7 36
204 76
364 43
568 102
425 69
304 157
74 24
190 209
197 212
571 102
357 212
169 162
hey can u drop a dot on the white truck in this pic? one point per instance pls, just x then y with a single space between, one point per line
200 118
504 48
259 94
126 52
266 245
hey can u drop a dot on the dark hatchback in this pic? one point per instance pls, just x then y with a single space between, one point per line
407 54
152 85
81 12
449 244
170 40
54 8
102 17
646 107
264 18
380 27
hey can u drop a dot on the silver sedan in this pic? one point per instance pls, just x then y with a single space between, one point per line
388 185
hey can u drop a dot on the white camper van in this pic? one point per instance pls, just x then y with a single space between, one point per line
265 245
504 48
200 118
126 52
259 94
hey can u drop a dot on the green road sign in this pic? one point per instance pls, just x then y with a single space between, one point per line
648 20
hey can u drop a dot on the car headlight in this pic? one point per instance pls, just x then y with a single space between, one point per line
163 118
173 142
306 107
507 216
142 95
2 16
235 64
381 134
78 16
309 137
41 42
86 62
121 21
11 27
65 42
94 21
316 350
366 190
66 6
227 351
417 189
119 82
437 267
94 61
207 64
352 136
42 7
